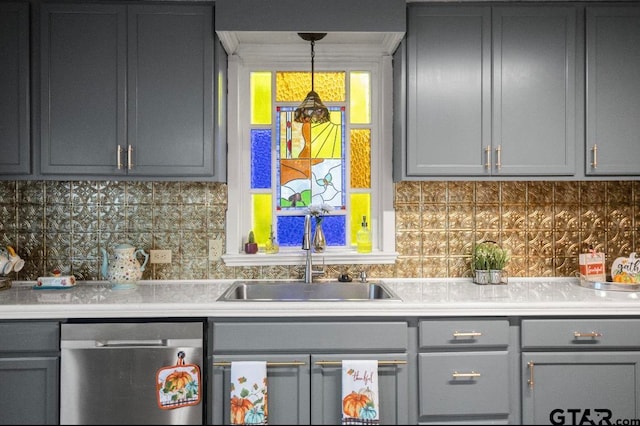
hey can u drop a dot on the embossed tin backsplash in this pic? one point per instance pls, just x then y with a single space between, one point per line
62 224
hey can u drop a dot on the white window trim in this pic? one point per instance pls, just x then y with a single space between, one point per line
238 220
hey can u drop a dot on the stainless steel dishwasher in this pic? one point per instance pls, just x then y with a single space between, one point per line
109 371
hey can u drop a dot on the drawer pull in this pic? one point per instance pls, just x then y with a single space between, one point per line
471 375
380 362
592 334
269 363
468 334
530 381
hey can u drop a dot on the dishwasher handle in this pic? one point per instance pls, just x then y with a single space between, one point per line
130 343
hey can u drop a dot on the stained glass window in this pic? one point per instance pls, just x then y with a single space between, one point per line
295 165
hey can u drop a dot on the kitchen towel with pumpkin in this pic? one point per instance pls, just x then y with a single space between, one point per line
249 393
360 392
178 385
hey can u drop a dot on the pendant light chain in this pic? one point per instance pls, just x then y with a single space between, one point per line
313 43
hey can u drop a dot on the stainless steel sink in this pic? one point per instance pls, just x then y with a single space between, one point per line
285 291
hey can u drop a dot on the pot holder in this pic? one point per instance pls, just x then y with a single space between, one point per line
178 385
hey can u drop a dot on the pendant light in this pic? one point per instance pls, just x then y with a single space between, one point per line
311 109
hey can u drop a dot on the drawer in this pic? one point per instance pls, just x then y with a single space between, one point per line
581 333
463 383
449 334
309 336
29 336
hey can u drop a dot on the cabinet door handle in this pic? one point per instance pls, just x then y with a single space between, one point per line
592 334
594 150
269 363
499 157
119 157
467 334
487 153
130 158
471 375
530 381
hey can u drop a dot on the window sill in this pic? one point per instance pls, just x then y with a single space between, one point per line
298 257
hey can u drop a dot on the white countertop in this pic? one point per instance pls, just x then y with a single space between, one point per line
420 297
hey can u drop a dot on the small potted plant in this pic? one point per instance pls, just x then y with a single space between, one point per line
251 247
480 263
499 259
489 260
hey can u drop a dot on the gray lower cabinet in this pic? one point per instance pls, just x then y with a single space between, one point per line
613 91
29 372
468 370
304 366
127 90
580 371
15 145
489 91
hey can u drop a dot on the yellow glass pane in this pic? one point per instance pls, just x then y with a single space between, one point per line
262 208
261 98
360 97
360 144
293 86
360 206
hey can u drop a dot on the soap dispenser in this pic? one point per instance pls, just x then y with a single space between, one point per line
272 246
363 238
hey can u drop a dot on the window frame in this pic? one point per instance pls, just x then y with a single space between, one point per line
238 216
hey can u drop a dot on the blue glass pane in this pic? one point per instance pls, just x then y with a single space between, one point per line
260 158
334 230
290 229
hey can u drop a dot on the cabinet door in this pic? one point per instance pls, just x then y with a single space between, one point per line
170 90
15 148
288 388
326 388
83 72
534 108
562 387
613 91
32 390
448 90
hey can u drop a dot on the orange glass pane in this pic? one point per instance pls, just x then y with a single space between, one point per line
360 144
360 97
260 98
293 86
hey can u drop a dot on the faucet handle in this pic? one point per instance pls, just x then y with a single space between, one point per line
363 276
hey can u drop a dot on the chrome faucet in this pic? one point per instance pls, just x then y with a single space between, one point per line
309 272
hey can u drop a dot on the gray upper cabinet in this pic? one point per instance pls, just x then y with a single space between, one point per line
15 145
534 91
448 90
489 91
127 90
613 91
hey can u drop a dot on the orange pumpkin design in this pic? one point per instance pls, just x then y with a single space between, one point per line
353 403
177 380
239 407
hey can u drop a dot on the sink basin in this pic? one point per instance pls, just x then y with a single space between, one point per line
284 291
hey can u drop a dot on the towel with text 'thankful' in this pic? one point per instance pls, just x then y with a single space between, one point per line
360 392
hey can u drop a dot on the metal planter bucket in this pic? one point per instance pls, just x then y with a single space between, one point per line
482 276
